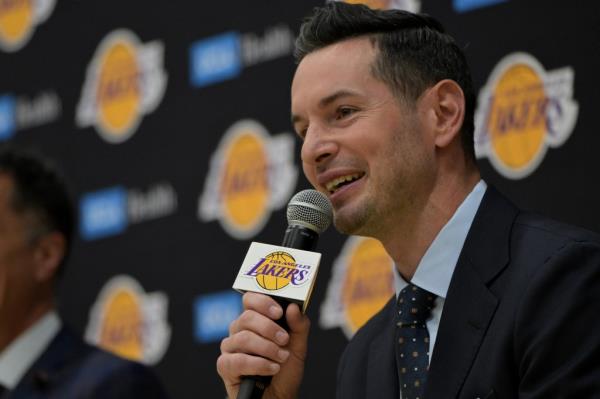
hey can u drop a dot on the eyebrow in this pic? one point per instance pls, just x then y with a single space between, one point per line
325 101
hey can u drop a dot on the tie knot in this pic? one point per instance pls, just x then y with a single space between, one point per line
414 305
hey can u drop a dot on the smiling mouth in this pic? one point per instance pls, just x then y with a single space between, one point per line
342 181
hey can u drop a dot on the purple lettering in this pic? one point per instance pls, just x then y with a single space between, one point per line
255 269
300 277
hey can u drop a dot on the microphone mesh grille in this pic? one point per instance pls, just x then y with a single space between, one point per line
310 208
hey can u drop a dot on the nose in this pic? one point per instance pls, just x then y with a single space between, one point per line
318 147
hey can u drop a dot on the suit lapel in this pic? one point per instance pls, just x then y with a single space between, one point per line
382 378
470 305
54 362
464 321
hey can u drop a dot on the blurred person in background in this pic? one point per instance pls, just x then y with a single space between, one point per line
41 357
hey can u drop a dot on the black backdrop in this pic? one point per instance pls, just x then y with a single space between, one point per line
152 232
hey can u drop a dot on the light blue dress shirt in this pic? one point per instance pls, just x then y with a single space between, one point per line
20 354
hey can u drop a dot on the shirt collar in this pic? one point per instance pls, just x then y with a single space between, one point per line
435 269
20 354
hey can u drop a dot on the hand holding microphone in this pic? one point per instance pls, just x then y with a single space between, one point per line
257 344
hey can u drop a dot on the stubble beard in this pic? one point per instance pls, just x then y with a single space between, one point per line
366 216
354 222
394 195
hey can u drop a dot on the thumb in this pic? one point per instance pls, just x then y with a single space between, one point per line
299 325
286 383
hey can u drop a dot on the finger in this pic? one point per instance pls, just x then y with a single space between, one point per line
250 343
263 304
297 321
299 325
232 366
253 321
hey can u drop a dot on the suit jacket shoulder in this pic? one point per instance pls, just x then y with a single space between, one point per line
71 369
519 318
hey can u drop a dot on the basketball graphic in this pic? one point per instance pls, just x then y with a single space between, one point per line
252 173
130 322
18 20
523 110
121 330
125 80
361 284
275 282
245 188
119 88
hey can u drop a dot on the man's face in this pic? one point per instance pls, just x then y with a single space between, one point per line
17 257
365 149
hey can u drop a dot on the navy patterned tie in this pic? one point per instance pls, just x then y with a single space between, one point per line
412 337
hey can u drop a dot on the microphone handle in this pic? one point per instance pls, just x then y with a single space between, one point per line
300 237
297 237
253 387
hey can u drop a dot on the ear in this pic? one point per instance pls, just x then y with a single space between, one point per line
49 253
447 102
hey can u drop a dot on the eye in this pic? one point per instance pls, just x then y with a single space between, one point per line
344 112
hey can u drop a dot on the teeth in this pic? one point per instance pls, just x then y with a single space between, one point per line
334 184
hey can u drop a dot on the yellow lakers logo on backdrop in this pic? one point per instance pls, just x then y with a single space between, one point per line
244 185
523 110
18 19
127 321
361 284
240 190
122 325
125 80
377 4
119 91
409 5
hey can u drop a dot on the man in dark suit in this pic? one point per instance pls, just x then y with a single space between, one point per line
490 302
39 356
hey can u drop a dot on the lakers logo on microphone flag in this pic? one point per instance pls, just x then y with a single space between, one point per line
279 271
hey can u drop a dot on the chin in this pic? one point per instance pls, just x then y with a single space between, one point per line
348 224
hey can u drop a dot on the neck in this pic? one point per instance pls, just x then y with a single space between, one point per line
409 240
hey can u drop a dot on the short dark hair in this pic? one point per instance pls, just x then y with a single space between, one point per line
39 190
414 52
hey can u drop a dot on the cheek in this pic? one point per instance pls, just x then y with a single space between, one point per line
310 174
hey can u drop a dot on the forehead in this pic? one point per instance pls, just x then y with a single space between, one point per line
345 64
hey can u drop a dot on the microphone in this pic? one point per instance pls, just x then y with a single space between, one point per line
309 213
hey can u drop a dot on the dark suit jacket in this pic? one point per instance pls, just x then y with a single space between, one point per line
72 369
521 318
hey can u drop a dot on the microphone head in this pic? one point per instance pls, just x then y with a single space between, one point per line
311 209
